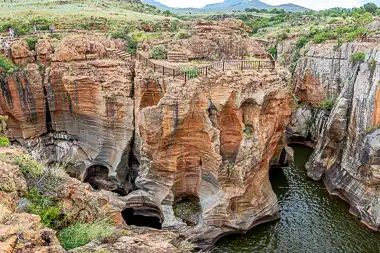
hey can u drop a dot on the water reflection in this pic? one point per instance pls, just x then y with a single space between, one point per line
311 219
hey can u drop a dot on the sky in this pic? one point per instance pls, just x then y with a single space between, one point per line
312 4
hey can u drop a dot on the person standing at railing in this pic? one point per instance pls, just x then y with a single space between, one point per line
11 33
6 45
35 28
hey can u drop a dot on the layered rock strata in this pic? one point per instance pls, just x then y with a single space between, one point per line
346 153
211 140
125 128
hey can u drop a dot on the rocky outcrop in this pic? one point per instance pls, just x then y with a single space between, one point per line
346 154
210 140
78 108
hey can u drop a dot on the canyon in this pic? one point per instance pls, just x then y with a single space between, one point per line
158 143
193 156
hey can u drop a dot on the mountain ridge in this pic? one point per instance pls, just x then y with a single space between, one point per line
229 5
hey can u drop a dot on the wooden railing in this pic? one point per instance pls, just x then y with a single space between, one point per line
373 39
194 72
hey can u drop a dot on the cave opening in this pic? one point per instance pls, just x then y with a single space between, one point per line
279 176
97 177
188 209
137 217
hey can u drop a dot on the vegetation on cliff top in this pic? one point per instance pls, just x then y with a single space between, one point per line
80 234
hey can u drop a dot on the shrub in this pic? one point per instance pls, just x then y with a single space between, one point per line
28 166
328 103
183 35
302 41
46 208
32 42
121 34
372 64
4 142
358 57
191 72
7 66
158 53
80 234
174 25
273 51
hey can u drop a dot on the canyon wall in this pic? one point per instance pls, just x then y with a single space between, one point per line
347 149
158 142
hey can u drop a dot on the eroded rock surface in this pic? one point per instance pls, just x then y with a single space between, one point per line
346 154
212 138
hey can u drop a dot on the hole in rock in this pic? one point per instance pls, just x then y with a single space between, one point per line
187 208
97 177
138 217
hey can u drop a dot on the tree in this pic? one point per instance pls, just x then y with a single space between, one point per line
371 8
167 13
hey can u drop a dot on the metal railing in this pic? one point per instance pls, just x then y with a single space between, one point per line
195 72
373 39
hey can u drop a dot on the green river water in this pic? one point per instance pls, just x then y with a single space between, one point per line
311 219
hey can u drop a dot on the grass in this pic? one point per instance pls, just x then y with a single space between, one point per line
80 234
28 166
4 213
46 208
94 14
4 142
191 72
32 42
7 66
328 103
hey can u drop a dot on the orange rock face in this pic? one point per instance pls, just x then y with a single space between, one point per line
213 139
210 139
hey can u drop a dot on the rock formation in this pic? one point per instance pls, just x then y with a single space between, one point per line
346 153
156 141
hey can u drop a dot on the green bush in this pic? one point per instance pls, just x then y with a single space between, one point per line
80 234
7 66
174 26
158 53
4 142
191 72
358 57
273 51
183 35
328 103
372 64
121 34
32 42
28 166
46 208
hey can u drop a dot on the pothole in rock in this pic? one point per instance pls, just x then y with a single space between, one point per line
97 177
187 209
141 217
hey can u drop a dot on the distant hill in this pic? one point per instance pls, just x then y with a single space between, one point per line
230 5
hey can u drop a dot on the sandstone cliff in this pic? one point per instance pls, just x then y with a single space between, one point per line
161 143
346 151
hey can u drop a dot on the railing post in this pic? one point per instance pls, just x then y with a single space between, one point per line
173 73
206 70
185 76
242 66
259 65
154 67
223 65
163 70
